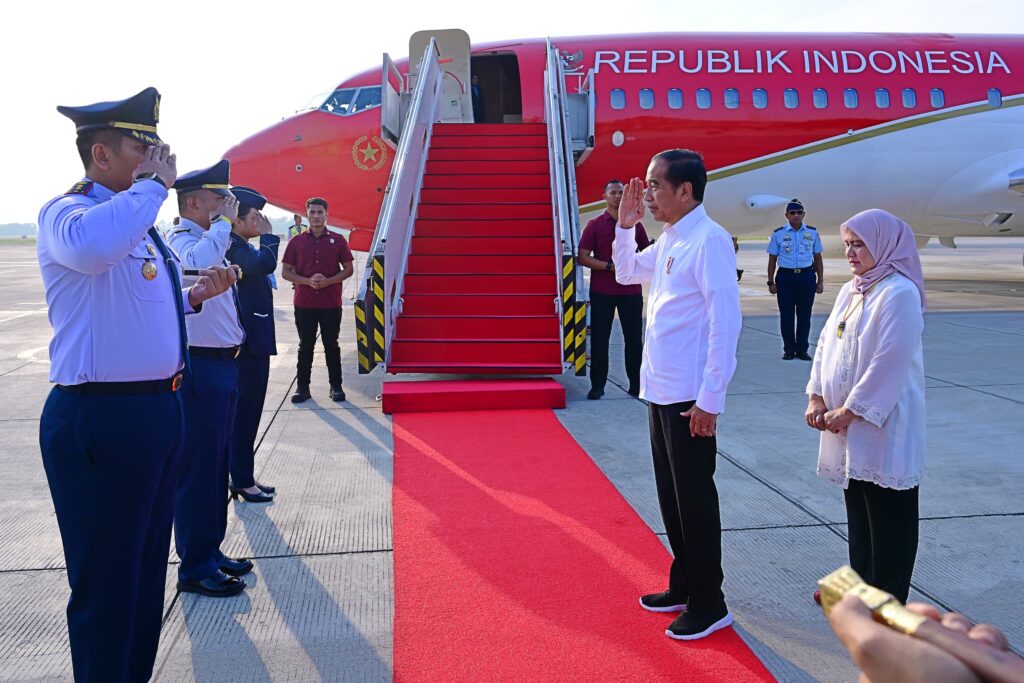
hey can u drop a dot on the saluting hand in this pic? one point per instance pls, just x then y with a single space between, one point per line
631 209
263 224
162 162
228 208
212 281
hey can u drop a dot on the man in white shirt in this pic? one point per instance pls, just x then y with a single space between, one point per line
693 325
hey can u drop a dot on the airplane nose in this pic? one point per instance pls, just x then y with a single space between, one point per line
255 161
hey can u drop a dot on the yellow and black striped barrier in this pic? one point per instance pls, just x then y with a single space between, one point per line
574 319
366 362
377 323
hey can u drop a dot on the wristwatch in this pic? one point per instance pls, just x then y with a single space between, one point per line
608 266
770 283
150 176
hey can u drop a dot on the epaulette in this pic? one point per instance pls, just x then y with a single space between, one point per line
177 230
782 228
81 187
811 227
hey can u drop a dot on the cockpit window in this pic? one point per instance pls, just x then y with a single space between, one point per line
348 101
339 101
366 99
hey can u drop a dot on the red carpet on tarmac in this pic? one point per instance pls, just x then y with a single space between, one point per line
517 560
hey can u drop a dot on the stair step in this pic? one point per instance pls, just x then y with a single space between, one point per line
472 228
486 196
481 263
485 211
477 304
472 129
495 154
538 181
484 283
494 352
523 246
473 369
452 395
486 167
536 327
487 141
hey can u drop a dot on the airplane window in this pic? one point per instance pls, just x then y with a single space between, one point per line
703 98
850 98
618 98
882 98
909 98
938 98
791 98
820 98
339 101
675 98
995 97
366 99
760 98
732 98
646 98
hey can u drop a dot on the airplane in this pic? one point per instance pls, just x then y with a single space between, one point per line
928 127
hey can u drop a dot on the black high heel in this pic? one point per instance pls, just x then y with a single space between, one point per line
266 489
260 497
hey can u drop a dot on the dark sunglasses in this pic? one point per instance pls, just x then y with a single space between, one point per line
795 213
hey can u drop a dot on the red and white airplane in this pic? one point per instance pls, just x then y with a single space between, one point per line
929 127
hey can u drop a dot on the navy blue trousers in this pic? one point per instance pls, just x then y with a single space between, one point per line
111 463
201 513
796 296
253 374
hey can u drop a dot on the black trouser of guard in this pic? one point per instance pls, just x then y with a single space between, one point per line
307 320
795 292
602 313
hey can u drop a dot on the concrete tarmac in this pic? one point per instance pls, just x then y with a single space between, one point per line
320 602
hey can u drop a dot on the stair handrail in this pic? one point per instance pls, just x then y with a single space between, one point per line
565 213
382 286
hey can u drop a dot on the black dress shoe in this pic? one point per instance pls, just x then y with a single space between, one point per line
301 394
266 489
594 394
785 356
217 586
803 355
635 393
337 394
260 497
233 567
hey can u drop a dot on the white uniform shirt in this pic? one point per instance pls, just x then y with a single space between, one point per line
110 324
693 309
217 324
876 369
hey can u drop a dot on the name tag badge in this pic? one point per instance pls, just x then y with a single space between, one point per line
668 265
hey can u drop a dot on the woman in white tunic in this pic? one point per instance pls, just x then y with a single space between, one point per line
867 397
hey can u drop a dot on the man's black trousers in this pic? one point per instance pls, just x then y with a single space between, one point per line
684 471
328 320
631 317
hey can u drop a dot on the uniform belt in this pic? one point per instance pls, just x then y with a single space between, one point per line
794 270
152 386
229 353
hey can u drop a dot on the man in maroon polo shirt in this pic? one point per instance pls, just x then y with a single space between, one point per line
317 261
607 295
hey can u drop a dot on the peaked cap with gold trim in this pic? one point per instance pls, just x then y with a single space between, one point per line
215 179
136 116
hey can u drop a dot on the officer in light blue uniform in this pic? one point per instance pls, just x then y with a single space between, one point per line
112 429
215 336
796 250
256 299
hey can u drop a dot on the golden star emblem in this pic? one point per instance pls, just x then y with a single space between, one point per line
369 152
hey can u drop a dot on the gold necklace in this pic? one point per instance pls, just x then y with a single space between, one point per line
851 308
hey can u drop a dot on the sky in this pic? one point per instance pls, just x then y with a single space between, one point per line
227 70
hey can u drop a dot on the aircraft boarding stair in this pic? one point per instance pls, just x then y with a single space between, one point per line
473 267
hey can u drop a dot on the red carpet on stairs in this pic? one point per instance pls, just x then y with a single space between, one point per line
515 559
